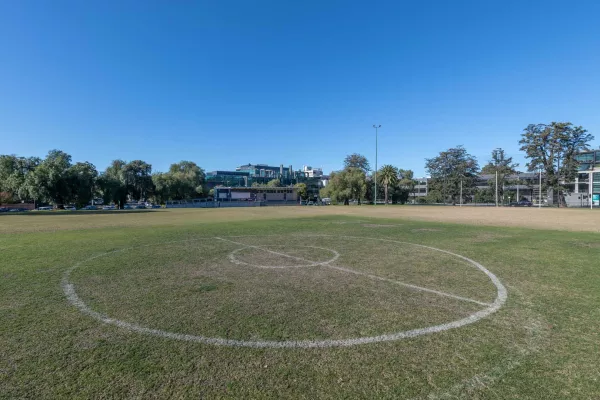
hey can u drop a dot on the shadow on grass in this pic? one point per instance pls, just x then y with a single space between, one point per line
82 212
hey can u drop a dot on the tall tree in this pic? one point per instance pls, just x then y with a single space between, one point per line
357 161
552 147
82 183
274 183
301 189
187 180
50 180
351 183
138 179
406 184
13 175
449 169
112 183
388 176
503 166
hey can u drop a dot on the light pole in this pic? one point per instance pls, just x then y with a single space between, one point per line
518 183
496 187
375 195
540 197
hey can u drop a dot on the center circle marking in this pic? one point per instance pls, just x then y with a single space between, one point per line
502 295
233 257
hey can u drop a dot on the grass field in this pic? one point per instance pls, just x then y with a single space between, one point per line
301 302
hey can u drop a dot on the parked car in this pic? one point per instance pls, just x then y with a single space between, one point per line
90 208
46 208
111 207
127 207
70 208
522 203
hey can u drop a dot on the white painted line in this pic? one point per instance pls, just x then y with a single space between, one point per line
74 299
310 263
408 285
233 258
328 264
262 248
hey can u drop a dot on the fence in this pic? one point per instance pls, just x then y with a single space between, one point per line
204 203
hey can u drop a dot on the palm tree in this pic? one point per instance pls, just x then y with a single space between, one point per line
388 175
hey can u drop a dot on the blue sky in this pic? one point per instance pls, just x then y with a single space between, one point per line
224 83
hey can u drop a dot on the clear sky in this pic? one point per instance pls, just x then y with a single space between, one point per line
224 83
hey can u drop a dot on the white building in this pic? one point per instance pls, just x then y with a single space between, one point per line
311 172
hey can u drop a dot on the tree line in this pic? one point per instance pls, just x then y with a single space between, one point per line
453 173
57 180
354 182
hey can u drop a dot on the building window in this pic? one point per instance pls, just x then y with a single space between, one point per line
596 183
584 177
585 157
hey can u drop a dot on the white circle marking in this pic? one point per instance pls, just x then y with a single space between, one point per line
502 295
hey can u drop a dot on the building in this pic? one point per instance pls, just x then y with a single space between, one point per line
227 178
586 187
520 186
250 175
421 188
311 172
266 171
253 194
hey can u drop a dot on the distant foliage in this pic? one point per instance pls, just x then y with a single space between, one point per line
448 170
357 161
552 148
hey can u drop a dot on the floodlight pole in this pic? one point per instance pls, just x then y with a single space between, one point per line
496 187
375 195
518 183
540 196
461 192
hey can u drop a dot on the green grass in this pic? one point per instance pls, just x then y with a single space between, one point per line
543 343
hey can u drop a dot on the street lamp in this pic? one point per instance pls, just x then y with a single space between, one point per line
375 195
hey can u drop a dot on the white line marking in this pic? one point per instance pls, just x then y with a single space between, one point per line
73 298
264 249
408 285
232 257
352 271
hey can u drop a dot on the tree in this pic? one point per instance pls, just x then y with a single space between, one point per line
162 187
82 179
50 180
138 179
112 184
406 185
485 195
357 161
123 181
552 148
346 185
274 183
449 169
503 166
187 180
301 190
13 175
388 176
6 197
